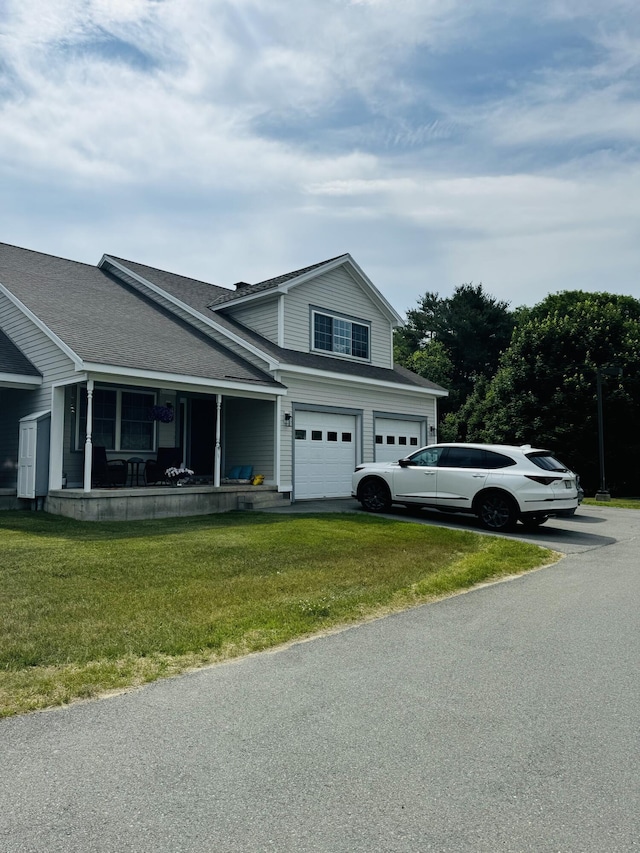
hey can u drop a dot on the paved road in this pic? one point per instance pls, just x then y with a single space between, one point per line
505 719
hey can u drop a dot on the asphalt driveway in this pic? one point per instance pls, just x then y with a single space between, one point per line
504 719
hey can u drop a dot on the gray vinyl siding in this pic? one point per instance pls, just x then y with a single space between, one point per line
335 291
53 364
261 317
249 430
336 396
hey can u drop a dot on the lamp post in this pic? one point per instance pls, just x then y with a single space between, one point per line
603 494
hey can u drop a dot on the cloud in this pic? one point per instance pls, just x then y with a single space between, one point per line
432 138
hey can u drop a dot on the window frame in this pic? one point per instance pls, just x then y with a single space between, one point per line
117 442
344 321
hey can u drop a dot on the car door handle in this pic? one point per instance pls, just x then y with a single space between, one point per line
477 475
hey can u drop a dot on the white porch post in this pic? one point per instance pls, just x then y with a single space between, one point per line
88 446
218 455
56 441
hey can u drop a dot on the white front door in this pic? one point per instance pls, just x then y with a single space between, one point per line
325 454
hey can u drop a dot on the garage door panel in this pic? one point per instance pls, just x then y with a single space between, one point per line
396 438
325 453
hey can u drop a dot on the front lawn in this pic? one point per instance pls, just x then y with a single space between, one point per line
92 607
621 503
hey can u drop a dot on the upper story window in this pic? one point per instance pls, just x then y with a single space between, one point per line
340 335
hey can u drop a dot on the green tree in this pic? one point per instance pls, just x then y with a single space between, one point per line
455 340
544 392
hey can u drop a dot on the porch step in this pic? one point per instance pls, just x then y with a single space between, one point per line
261 500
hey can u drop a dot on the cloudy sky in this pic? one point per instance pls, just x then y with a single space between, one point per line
437 141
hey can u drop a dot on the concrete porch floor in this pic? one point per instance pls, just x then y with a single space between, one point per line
128 504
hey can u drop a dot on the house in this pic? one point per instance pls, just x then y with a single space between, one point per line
292 377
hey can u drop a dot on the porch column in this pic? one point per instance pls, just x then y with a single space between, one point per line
88 445
56 440
218 454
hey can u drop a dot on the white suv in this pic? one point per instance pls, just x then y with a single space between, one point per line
498 483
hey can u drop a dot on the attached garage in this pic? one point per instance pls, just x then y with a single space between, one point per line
397 437
325 454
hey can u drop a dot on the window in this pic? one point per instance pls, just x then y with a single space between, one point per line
340 336
464 457
301 434
120 420
427 457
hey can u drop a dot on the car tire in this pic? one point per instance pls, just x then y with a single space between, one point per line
533 521
374 495
497 511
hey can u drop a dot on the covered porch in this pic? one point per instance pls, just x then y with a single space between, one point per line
216 434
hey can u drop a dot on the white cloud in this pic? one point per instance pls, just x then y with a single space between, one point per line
241 139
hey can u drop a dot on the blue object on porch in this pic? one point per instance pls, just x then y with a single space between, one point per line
246 472
234 473
168 457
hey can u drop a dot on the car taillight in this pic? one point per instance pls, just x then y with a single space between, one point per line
545 481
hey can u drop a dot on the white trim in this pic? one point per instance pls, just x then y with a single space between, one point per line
349 380
270 360
281 320
56 437
75 358
180 379
19 380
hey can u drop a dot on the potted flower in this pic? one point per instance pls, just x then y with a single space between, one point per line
178 476
164 414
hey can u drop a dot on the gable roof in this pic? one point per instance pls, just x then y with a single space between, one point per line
97 319
283 283
194 294
244 289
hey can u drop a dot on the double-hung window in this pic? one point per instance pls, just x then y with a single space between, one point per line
340 335
120 419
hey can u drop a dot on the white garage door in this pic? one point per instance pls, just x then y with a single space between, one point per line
396 438
325 448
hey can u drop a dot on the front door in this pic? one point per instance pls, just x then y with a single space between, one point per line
202 436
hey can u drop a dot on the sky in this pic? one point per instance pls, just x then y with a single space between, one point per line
439 142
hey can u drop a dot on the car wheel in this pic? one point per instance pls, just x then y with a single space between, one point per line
497 511
533 521
374 495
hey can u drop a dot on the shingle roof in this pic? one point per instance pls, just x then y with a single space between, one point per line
397 375
197 294
103 321
268 284
13 360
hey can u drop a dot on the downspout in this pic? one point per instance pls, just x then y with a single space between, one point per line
88 446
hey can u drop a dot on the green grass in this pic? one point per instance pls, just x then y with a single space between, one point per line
87 608
621 503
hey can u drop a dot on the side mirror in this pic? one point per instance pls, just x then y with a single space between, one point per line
404 463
